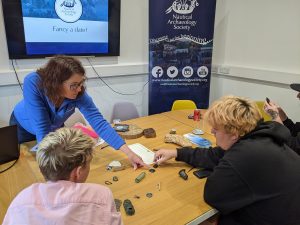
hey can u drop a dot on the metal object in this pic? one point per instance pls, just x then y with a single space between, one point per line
115 178
108 182
140 177
158 186
151 170
118 204
129 209
149 195
183 174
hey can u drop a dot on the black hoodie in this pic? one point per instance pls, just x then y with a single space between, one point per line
294 139
256 181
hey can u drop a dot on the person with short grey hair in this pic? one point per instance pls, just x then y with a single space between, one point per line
63 151
64 158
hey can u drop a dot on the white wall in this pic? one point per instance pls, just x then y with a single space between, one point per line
256 54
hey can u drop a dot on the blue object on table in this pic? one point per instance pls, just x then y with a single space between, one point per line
202 142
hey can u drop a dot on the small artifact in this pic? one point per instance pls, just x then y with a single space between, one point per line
155 165
129 209
197 131
140 177
118 204
151 170
191 116
158 186
183 174
177 139
133 132
115 166
149 133
136 196
173 131
115 178
108 182
149 195
116 121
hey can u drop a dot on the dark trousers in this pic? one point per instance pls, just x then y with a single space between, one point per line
23 135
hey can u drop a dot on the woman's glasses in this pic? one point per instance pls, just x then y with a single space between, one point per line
75 86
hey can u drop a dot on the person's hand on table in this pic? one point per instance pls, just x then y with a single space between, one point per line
163 155
135 160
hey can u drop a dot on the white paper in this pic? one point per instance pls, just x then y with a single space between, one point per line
146 154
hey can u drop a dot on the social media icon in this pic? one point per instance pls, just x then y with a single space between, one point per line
187 71
157 72
202 71
172 71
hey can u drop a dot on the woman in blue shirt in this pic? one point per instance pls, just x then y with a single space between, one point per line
51 95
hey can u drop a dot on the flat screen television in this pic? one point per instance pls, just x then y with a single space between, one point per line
41 28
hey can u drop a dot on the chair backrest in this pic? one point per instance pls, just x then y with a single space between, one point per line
183 104
76 117
260 105
124 111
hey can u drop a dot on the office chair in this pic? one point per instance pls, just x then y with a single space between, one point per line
183 104
124 111
76 117
260 105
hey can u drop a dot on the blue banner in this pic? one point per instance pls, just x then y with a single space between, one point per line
180 52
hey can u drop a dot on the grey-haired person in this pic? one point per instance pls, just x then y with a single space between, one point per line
64 158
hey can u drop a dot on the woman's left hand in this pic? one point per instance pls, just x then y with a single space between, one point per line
135 160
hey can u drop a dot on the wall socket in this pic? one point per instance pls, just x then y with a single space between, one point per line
223 70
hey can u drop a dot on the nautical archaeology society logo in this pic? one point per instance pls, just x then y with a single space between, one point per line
183 6
68 11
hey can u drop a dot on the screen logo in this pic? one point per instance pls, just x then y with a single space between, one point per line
68 11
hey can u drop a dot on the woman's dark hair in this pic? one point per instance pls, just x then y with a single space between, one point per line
55 72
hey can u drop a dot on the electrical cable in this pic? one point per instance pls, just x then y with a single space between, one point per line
2 171
12 63
120 93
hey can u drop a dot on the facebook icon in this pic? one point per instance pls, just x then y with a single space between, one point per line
157 71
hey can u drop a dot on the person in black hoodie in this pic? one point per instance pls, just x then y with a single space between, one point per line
256 176
278 115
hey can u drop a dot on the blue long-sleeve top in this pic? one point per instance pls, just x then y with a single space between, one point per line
37 114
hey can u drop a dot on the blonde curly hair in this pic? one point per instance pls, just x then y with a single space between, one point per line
235 115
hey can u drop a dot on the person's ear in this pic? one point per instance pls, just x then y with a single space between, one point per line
76 174
235 137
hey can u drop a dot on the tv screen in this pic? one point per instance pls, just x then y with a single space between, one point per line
40 28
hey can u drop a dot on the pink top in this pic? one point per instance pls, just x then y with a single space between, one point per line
63 202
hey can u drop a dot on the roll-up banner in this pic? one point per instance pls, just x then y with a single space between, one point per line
180 52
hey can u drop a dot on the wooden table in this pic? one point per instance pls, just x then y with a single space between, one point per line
177 202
